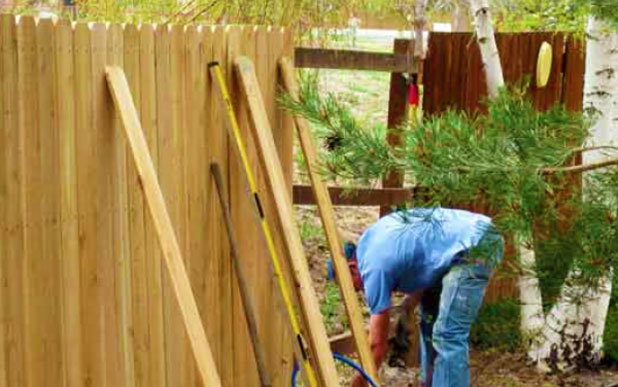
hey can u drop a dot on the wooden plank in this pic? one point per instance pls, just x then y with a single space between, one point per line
34 312
14 185
327 214
172 179
164 124
86 143
262 135
47 276
71 291
194 149
322 58
163 224
105 243
232 43
120 213
154 295
397 113
3 229
573 77
137 238
243 359
216 139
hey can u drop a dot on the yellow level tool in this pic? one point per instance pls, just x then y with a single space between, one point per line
217 74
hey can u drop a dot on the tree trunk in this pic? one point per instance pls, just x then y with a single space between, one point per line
420 22
460 21
578 317
479 10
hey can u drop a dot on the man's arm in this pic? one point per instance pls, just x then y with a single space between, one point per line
378 338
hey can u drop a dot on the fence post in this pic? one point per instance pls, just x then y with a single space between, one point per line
397 109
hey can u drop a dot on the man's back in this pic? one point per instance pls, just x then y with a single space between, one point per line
410 250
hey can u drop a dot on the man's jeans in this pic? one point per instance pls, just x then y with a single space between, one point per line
447 313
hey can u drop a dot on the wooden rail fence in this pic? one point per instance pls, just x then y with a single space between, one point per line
83 297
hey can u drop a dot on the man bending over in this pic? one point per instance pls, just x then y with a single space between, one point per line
441 258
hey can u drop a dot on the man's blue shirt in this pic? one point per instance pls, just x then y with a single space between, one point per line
410 250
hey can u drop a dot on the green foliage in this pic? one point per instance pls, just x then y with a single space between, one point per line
331 305
497 327
512 158
552 15
610 336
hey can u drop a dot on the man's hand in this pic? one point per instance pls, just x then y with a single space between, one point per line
378 338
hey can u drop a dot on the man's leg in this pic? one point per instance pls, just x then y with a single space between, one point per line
429 313
463 289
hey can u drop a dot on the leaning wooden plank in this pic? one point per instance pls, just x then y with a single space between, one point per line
322 58
327 213
163 224
262 134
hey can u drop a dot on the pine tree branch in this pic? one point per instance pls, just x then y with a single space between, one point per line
581 168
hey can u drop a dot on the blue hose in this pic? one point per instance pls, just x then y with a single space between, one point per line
342 359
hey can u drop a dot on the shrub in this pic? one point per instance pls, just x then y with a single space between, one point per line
497 326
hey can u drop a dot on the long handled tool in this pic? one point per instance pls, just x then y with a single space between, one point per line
283 286
258 348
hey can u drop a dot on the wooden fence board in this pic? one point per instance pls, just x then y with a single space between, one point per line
14 209
49 277
3 225
164 126
137 238
71 321
153 274
86 199
34 261
216 139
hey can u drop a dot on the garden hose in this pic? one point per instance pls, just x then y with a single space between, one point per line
342 359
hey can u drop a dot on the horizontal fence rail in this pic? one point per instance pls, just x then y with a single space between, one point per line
322 58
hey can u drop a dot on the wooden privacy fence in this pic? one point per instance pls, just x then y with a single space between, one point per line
83 297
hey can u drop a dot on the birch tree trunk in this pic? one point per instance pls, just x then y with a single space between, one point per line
578 317
459 17
479 10
420 22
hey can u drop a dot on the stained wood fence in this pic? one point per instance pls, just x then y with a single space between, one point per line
83 297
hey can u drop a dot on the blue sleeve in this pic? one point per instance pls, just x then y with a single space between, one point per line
378 288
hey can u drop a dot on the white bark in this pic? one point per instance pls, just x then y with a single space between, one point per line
479 9
420 22
532 317
601 86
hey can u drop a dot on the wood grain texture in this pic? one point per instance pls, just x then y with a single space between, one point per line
71 290
153 274
327 215
321 58
3 228
262 135
14 215
169 245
